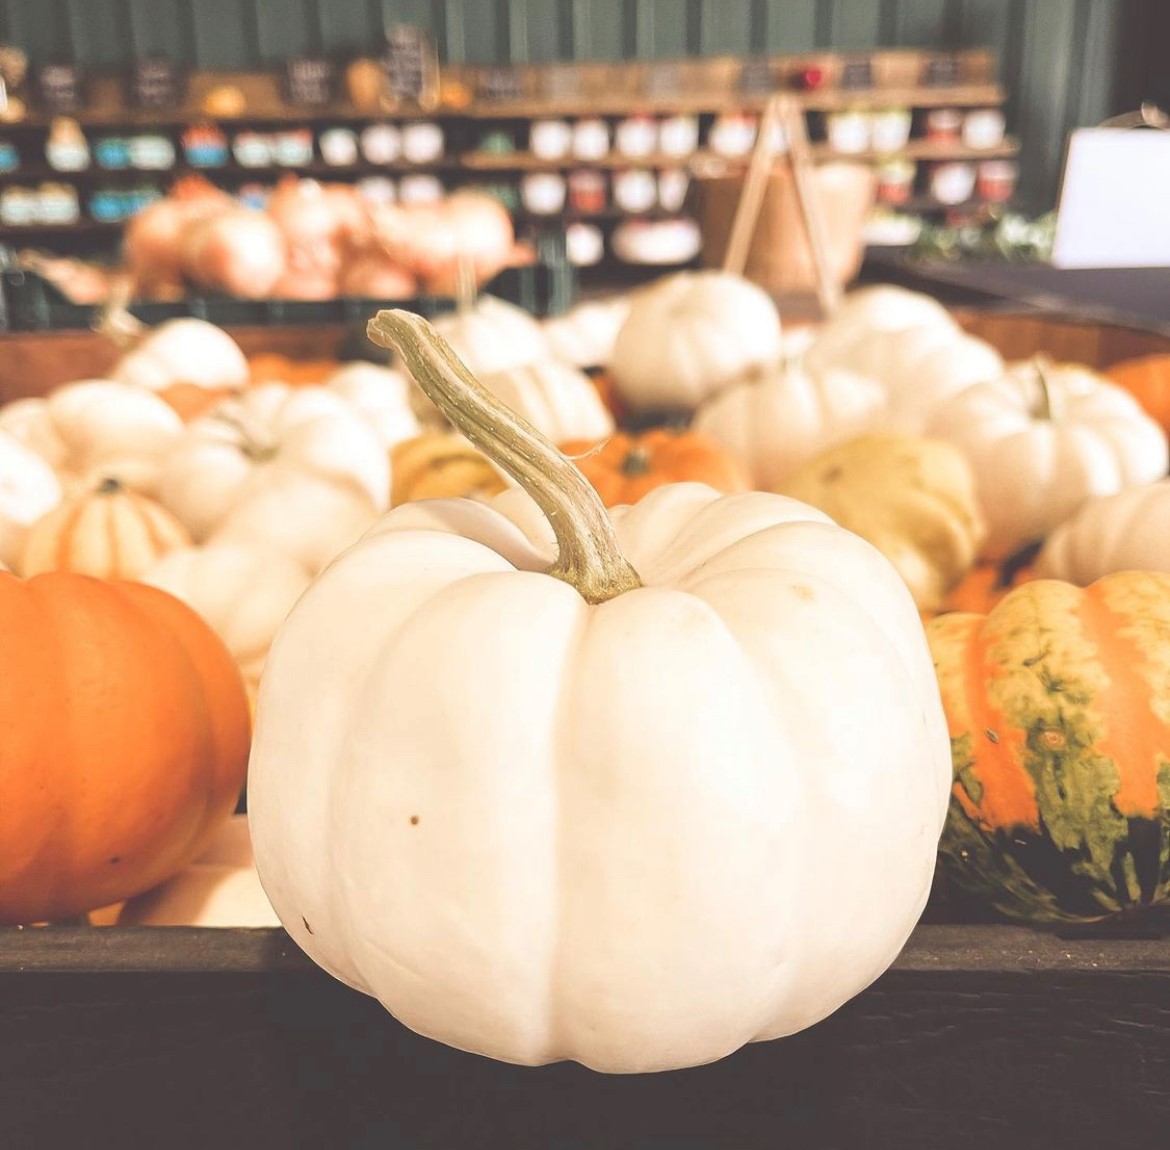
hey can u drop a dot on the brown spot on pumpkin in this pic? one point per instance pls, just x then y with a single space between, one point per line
992 737
414 820
115 859
1053 740
803 591
833 474
306 922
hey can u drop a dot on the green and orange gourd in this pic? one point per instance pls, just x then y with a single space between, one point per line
1058 705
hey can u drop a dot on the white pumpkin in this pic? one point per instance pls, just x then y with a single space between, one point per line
242 590
558 400
690 335
779 418
29 490
1042 440
493 335
883 307
381 396
1129 531
295 467
585 335
96 429
920 367
634 829
184 351
220 889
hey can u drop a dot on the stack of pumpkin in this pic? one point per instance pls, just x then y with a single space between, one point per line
231 484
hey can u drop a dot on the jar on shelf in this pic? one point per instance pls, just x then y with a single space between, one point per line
584 244
339 147
422 142
587 191
591 139
9 156
381 143
253 150
18 206
636 137
732 134
151 152
105 205
112 152
673 185
57 204
635 190
543 193
66 147
952 184
205 146
896 181
378 190
944 126
997 179
983 129
550 139
293 149
889 130
678 136
418 188
849 132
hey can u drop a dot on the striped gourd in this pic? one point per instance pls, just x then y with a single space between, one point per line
1058 704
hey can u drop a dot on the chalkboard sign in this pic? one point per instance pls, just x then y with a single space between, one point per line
664 81
944 71
756 77
60 88
410 64
156 82
501 84
857 74
309 80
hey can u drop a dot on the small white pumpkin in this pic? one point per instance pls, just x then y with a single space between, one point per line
1129 531
557 399
220 889
381 396
29 490
243 591
690 335
493 335
1043 439
585 335
920 366
183 351
96 429
779 418
243 459
670 787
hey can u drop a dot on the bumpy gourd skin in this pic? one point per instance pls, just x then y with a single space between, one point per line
638 834
1058 704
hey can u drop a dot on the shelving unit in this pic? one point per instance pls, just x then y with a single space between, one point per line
474 103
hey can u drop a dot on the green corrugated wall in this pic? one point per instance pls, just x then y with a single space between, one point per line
1059 57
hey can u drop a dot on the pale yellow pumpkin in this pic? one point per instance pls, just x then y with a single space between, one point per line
110 532
912 498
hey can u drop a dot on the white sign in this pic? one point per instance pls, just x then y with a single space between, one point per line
1115 201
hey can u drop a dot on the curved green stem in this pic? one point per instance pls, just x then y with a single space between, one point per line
589 558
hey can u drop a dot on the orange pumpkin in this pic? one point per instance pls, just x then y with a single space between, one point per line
190 401
268 367
1148 381
126 739
624 468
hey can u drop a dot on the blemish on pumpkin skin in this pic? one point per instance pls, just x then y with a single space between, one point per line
115 860
833 474
803 591
306 922
414 820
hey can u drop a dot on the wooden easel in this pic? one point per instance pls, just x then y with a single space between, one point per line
783 111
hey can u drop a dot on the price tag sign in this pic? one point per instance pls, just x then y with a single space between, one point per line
942 71
156 82
757 77
411 66
857 74
60 88
501 85
310 81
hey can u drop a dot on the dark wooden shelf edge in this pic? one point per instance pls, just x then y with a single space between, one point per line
934 948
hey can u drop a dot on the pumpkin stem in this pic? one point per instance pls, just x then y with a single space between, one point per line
111 485
588 557
636 463
257 445
1048 410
